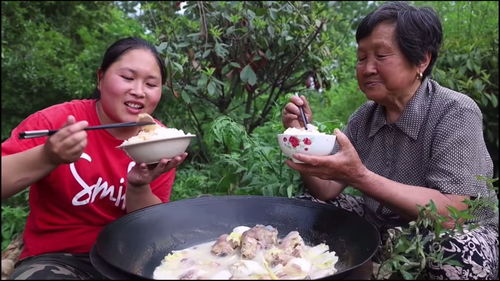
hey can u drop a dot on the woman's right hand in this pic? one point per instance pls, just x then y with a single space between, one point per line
291 113
68 143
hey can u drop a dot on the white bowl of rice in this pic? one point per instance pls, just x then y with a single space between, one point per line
155 143
310 142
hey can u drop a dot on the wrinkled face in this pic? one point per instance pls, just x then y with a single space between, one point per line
383 72
131 85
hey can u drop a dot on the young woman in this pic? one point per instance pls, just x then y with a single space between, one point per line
79 181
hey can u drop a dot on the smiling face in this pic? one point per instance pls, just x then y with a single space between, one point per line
130 86
383 72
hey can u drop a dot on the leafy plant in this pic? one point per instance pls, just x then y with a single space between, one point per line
242 164
239 59
14 217
472 68
408 250
51 51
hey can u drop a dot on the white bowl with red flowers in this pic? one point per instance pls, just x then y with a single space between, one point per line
310 142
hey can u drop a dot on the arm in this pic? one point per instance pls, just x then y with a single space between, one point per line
404 199
345 166
24 168
139 193
322 189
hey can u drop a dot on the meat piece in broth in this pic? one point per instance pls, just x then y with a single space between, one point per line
267 236
256 238
288 248
249 247
250 253
276 256
223 246
292 244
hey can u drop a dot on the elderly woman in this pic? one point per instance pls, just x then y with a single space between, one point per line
413 142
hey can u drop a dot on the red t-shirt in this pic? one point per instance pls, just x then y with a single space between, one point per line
72 204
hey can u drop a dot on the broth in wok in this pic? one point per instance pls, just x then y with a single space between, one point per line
134 245
250 253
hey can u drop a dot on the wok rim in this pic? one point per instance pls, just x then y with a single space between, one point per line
273 199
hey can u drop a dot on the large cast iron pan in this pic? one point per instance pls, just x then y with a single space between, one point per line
134 245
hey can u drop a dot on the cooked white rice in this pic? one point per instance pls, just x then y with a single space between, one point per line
311 129
156 134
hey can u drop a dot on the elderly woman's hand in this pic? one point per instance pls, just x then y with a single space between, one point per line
143 174
291 113
343 166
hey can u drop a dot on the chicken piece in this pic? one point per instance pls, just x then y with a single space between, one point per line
223 246
292 244
276 256
258 237
249 247
144 117
266 235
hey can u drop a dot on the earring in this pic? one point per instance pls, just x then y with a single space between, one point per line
420 75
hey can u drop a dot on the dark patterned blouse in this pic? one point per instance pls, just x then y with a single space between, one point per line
437 143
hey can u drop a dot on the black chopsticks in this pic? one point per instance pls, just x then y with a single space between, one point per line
304 117
44 133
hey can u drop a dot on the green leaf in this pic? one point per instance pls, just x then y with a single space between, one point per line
194 34
235 64
206 53
247 75
493 99
185 97
407 275
220 50
182 45
162 47
289 190
177 66
226 69
270 30
401 259
191 89
273 13
212 88
202 81
469 65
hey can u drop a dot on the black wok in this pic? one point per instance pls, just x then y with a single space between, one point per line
134 245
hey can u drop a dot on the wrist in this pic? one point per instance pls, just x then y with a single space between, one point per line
137 188
139 193
47 156
363 177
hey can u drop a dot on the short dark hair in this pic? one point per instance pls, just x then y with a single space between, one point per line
418 30
120 47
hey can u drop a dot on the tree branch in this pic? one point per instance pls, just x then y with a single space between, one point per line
278 82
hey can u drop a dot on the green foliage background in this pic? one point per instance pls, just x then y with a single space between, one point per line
233 98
